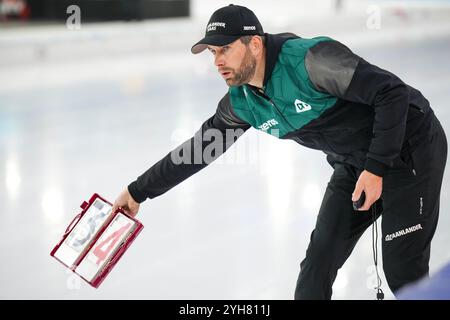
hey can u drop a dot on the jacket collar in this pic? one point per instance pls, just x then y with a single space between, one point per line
274 42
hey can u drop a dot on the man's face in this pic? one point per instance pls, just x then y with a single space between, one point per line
235 63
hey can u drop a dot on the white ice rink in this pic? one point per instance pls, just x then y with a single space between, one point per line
88 111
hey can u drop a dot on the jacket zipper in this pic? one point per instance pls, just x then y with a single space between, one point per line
417 108
412 163
262 94
413 169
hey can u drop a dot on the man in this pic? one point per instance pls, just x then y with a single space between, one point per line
380 136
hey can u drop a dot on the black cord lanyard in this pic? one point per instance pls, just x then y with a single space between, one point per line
380 294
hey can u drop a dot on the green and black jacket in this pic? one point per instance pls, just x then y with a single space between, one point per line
318 93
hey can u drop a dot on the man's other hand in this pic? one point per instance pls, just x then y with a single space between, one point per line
372 185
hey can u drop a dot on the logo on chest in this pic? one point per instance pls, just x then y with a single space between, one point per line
301 106
268 124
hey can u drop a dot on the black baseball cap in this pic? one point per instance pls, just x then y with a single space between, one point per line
228 24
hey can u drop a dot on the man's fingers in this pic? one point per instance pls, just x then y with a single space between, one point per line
371 185
134 210
357 192
370 200
126 203
131 213
366 205
128 211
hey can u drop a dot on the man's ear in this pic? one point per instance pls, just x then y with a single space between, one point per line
256 45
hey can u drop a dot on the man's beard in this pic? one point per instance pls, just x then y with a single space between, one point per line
245 72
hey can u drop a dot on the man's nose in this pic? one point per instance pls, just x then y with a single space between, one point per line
218 60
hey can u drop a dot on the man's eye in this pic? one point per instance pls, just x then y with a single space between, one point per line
225 49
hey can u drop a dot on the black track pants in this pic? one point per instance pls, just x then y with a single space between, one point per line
409 206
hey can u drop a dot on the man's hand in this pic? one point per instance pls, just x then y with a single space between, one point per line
127 203
372 185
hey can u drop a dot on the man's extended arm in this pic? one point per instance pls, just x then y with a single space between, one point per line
222 129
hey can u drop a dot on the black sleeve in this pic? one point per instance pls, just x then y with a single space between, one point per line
333 68
214 137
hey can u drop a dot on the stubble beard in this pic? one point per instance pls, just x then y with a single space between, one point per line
245 72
